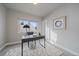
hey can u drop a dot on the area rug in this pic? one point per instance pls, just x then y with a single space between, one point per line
50 50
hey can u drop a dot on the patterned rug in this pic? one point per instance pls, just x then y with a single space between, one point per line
50 50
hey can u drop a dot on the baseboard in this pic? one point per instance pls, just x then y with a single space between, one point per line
1 48
7 44
66 49
12 43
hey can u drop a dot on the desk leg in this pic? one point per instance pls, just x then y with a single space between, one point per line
43 45
35 42
22 49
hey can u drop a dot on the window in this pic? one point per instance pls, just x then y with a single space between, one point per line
33 25
23 22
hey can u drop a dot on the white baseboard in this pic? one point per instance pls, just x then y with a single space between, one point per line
12 43
66 49
1 48
7 44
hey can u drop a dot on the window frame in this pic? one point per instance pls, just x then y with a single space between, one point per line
19 30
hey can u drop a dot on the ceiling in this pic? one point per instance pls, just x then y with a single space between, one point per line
40 9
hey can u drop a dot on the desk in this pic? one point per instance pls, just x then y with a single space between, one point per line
31 39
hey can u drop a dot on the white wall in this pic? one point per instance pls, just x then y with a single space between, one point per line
68 38
12 25
2 25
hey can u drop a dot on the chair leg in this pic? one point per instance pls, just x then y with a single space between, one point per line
44 43
28 43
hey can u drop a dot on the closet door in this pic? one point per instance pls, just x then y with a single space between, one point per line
47 30
43 27
52 32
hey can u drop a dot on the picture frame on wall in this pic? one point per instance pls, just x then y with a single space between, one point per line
59 23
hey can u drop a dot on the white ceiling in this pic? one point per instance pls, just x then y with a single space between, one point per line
40 9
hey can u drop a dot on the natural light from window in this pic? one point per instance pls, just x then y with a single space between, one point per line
33 25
